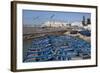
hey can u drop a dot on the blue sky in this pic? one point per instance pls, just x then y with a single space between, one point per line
37 18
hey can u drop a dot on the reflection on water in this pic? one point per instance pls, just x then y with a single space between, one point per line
55 48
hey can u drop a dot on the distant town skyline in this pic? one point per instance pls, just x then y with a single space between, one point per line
37 18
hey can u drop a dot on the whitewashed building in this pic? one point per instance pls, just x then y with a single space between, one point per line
55 24
78 24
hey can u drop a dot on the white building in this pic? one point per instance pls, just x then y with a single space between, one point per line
55 24
88 27
78 24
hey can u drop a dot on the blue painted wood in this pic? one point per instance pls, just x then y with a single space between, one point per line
52 48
